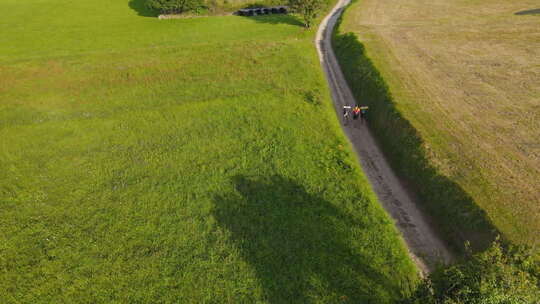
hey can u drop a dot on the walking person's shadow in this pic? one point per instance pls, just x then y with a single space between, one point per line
298 244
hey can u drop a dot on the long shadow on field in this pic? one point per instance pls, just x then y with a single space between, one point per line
529 12
277 19
140 7
456 213
297 244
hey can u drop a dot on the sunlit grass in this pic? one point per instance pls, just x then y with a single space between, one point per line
178 161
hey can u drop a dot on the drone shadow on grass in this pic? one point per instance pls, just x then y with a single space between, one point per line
298 243
140 7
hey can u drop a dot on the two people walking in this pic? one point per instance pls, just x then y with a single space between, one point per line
357 111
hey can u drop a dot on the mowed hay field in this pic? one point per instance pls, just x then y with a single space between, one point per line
178 161
466 75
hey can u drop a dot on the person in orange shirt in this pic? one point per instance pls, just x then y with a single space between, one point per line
356 112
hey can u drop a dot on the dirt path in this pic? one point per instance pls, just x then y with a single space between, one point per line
425 247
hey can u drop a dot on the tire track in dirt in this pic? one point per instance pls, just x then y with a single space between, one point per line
425 247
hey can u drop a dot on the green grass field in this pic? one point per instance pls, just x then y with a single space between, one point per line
185 161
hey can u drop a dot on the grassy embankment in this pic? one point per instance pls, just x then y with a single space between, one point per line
195 160
454 97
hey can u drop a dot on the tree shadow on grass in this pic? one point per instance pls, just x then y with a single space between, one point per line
529 12
140 7
298 244
456 213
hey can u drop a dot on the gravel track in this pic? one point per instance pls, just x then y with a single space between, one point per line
425 246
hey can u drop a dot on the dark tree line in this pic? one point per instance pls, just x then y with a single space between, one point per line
174 6
307 9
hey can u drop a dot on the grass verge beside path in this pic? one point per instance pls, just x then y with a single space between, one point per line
430 131
189 161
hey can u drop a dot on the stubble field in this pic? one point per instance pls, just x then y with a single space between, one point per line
466 76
